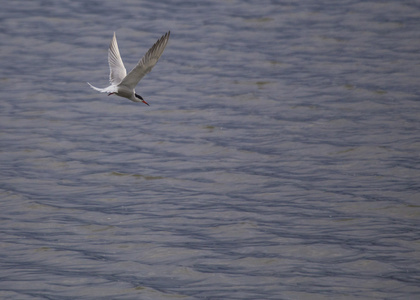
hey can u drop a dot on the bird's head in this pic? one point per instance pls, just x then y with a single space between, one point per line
141 99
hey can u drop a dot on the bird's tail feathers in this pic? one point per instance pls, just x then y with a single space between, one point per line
110 89
95 88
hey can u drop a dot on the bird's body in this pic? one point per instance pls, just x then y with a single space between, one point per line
122 84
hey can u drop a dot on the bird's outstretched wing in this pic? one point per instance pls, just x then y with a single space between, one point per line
146 64
116 65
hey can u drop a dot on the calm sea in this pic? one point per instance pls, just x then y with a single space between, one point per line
279 157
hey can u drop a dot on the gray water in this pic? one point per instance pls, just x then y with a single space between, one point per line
279 158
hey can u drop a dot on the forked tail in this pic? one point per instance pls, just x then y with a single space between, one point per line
112 89
98 89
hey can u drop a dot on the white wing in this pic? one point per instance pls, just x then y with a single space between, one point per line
116 65
146 64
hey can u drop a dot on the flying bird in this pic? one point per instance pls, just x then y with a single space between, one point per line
122 84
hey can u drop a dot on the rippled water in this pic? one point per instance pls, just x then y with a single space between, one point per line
279 158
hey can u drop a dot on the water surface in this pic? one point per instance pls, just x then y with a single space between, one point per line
279 158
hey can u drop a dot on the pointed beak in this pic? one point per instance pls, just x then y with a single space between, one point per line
141 98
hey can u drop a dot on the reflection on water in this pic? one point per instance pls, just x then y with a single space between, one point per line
278 158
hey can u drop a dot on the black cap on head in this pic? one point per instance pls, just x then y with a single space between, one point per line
138 96
141 98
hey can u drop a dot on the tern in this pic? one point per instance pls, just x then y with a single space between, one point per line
122 84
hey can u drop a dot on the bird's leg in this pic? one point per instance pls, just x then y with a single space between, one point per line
110 94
